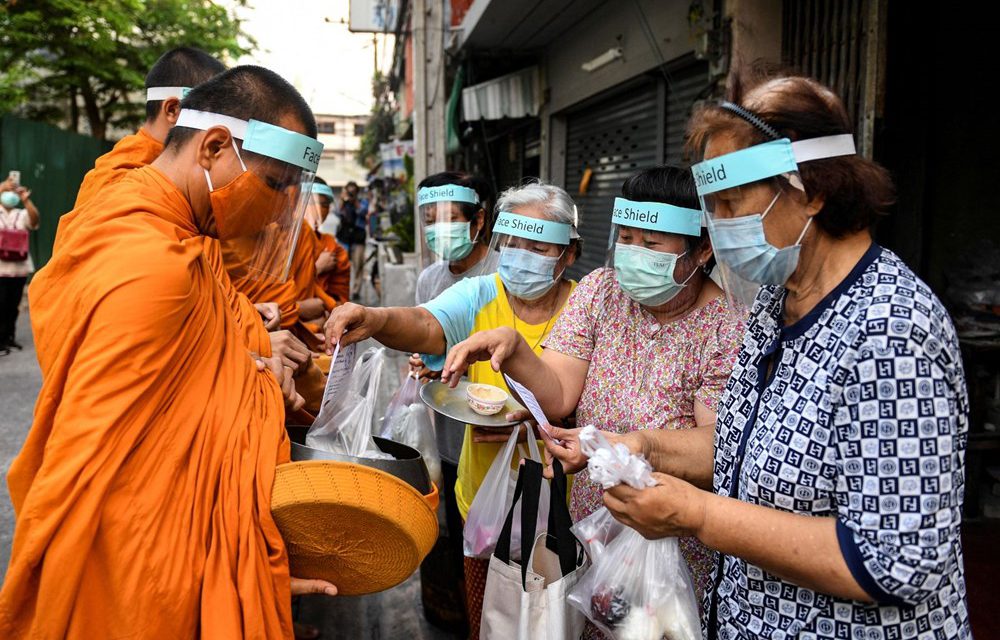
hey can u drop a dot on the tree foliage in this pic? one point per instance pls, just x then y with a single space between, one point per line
68 61
381 126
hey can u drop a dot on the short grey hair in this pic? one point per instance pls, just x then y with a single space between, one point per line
557 204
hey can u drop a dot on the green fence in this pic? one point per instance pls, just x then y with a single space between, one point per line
52 163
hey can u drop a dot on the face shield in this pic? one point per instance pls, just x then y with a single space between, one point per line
448 215
532 253
738 190
258 215
318 209
646 244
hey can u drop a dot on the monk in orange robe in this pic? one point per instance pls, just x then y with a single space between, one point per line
142 492
174 72
333 261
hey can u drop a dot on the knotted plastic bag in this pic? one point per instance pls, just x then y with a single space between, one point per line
636 589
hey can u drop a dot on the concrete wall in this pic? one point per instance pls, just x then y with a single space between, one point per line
615 24
756 31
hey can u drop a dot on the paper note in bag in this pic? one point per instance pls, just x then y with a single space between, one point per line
341 365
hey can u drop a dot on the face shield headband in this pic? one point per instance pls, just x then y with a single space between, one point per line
258 215
775 158
164 93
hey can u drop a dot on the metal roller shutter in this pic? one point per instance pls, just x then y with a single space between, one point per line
637 127
614 138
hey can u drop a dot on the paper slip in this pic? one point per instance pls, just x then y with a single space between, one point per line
341 365
530 403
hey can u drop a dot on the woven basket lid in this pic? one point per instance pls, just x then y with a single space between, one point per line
359 528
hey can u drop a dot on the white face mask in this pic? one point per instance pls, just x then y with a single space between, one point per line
740 244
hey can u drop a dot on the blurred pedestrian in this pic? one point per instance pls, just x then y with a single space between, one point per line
352 232
18 216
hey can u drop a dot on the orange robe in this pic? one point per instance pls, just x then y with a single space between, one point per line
143 490
337 281
301 283
303 270
139 150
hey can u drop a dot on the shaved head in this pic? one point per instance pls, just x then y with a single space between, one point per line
180 67
247 92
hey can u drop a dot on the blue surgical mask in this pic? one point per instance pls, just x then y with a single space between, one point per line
9 199
450 240
740 244
647 276
526 274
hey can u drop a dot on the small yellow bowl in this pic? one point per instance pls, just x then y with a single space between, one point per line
485 399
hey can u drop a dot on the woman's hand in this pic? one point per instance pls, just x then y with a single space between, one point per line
501 434
672 508
24 193
495 345
302 587
564 445
350 323
421 371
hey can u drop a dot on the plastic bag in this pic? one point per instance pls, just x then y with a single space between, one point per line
408 422
637 589
492 502
345 425
596 531
611 465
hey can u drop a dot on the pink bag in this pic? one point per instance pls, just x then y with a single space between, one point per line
13 245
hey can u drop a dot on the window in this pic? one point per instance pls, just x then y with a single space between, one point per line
326 127
359 129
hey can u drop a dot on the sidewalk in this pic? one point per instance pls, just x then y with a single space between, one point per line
20 381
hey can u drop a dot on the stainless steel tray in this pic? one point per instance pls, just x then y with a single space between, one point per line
452 403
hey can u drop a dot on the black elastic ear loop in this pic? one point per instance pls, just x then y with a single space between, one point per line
752 118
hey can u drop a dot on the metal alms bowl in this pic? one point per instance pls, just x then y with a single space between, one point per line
407 466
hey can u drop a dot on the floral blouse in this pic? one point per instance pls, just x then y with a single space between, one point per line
644 375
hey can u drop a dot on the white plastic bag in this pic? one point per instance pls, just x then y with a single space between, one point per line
345 425
596 531
637 589
408 422
492 502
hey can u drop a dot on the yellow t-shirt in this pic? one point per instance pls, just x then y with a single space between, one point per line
480 304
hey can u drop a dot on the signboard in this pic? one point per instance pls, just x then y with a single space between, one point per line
392 154
374 16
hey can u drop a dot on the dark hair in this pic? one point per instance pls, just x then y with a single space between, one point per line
855 190
245 92
668 185
477 184
319 180
180 67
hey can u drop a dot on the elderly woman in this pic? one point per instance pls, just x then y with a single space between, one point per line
536 238
838 474
646 343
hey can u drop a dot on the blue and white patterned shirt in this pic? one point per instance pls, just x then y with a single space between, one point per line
857 411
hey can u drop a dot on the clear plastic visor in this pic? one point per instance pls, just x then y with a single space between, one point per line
451 230
267 217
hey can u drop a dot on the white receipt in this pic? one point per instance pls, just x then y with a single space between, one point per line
341 365
530 403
